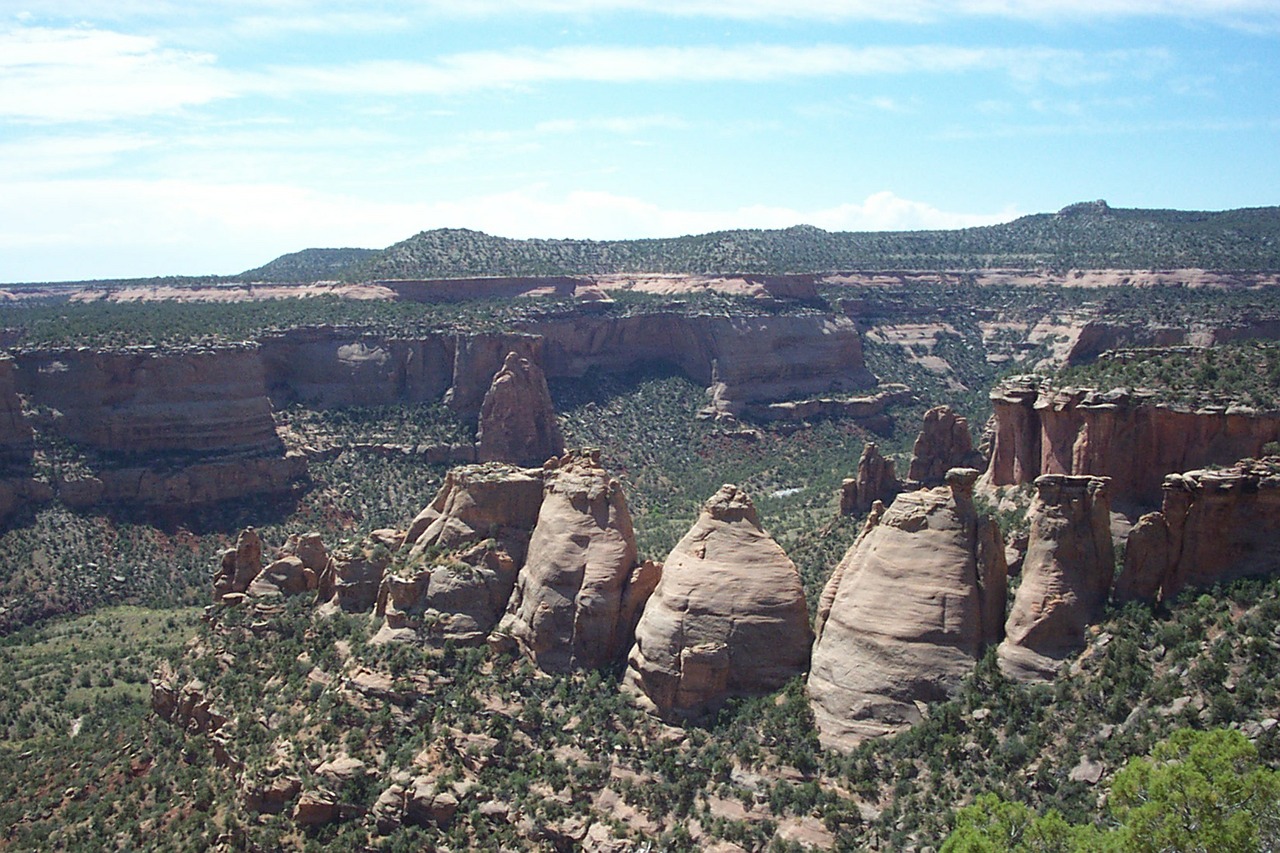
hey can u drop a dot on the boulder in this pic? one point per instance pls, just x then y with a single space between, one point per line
285 576
315 808
1066 576
944 443
876 481
517 418
565 612
424 805
907 612
727 618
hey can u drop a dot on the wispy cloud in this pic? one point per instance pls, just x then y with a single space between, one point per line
86 74
465 72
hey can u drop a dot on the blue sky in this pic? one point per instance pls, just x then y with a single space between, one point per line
209 136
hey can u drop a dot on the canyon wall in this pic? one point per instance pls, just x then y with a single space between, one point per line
1127 436
1214 526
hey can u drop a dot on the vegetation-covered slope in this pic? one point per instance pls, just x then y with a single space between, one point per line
307 265
1090 235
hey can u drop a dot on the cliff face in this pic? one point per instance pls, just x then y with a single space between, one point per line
325 368
15 433
1121 435
171 428
743 360
147 401
1215 526
907 612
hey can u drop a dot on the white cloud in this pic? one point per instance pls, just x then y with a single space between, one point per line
88 74
63 230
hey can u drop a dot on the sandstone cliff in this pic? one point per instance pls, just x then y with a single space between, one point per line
743 360
1123 435
517 419
728 616
566 610
165 429
906 613
1066 576
1215 526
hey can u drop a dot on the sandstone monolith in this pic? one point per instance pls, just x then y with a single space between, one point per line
728 616
906 613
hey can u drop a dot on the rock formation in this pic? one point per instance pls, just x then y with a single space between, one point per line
1120 434
517 419
566 610
728 616
239 565
944 443
477 502
1066 576
1215 526
354 575
906 613
876 481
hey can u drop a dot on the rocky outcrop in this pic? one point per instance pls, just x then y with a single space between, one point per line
728 616
353 577
944 443
1066 576
566 610
1215 526
239 565
456 596
906 613
477 502
1124 435
876 481
517 419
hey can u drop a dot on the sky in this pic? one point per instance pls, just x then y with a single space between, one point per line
165 137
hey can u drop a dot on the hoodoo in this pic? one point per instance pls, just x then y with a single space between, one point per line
1066 576
566 611
907 612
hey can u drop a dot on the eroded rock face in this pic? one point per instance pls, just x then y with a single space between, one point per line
1215 526
876 481
477 502
354 575
1123 435
1066 576
944 443
907 612
565 611
459 596
16 444
517 419
727 618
